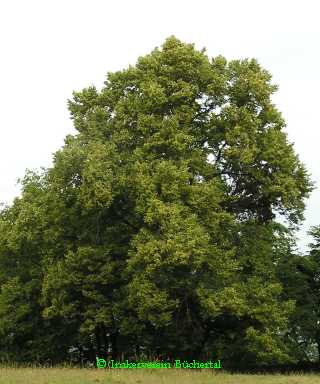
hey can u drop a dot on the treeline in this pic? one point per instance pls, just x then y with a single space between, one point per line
154 232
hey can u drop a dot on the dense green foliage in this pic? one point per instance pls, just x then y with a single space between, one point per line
154 231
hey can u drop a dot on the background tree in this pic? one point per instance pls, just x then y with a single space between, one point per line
300 278
25 334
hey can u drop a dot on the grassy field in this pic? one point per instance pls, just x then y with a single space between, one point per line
150 376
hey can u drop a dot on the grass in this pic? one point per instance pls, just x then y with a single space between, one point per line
11 375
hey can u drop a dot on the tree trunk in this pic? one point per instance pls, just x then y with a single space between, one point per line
114 346
104 339
98 340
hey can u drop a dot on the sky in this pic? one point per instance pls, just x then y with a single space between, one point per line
48 49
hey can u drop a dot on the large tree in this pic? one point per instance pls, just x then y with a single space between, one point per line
158 226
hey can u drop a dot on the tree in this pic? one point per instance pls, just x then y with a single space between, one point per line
300 278
159 214
25 334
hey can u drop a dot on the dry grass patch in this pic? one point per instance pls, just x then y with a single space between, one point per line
9 375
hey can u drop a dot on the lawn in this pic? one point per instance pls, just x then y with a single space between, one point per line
10 375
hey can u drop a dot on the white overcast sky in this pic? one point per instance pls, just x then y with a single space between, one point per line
50 48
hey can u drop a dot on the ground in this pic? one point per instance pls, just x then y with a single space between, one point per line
143 376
